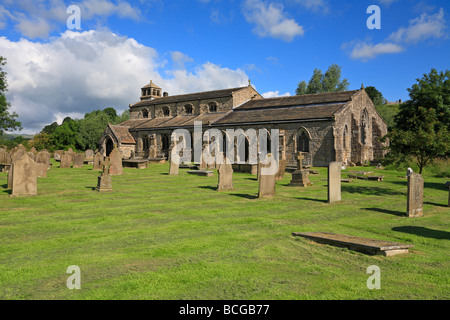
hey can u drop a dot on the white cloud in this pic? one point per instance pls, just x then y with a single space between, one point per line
425 27
270 20
275 94
315 5
77 73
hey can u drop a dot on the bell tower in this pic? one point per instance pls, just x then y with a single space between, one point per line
150 92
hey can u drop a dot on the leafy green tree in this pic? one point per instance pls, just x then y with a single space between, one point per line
320 83
421 131
64 136
376 96
91 129
50 128
7 120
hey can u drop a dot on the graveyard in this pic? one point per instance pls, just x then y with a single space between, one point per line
156 235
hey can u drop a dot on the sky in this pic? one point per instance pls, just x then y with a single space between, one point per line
69 58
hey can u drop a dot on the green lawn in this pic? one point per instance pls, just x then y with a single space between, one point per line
174 237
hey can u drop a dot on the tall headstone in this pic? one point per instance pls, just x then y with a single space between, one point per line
43 157
17 153
98 161
116 167
24 179
89 154
334 182
41 170
57 154
32 156
104 181
282 163
415 195
66 161
266 181
225 176
174 163
300 176
78 161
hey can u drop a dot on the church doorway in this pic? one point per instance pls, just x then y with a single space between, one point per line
109 146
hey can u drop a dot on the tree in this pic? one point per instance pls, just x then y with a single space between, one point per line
91 129
7 120
421 131
320 83
376 96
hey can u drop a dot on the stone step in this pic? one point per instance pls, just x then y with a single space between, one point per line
364 245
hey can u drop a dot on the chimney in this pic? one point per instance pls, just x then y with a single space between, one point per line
165 94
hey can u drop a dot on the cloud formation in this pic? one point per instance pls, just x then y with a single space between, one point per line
78 72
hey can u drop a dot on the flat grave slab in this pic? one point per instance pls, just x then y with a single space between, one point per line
364 177
202 173
364 245
139 164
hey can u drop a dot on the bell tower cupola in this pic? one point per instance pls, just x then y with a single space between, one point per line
150 92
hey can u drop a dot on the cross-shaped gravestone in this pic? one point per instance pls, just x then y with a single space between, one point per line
106 165
300 158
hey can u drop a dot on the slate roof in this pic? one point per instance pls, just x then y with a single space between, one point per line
188 97
122 134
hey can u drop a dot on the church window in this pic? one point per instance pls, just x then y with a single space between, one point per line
145 113
188 108
213 107
166 111
364 126
303 142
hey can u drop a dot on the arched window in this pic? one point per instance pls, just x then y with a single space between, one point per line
345 137
212 107
303 142
145 113
188 109
166 112
364 126
165 142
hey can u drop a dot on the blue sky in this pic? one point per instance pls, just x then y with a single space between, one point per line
199 45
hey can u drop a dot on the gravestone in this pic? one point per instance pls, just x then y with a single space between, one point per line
415 195
281 169
66 161
174 164
89 154
300 176
33 150
24 179
17 153
78 161
57 154
116 168
225 176
32 156
43 157
334 182
3 155
41 170
104 181
266 181
98 161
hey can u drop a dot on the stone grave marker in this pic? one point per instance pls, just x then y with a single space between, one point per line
41 170
24 179
57 154
266 181
43 157
415 195
78 161
89 154
174 164
300 176
66 161
116 167
104 181
225 173
98 161
334 182
281 169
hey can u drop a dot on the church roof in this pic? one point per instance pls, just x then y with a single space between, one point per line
151 85
188 97
122 134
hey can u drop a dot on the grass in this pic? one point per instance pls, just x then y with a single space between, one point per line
174 237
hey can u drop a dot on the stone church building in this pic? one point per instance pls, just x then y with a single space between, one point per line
342 126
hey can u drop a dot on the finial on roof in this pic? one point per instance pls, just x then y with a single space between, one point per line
151 81
362 86
249 82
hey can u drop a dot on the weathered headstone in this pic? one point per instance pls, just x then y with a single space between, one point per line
17 153
43 157
225 176
33 149
78 161
281 169
267 179
116 167
300 176
32 156
24 179
174 164
41 170
66 161
57 154
415 195
104 181
98 161
334 182
89 154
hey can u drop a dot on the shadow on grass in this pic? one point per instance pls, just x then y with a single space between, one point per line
395 213
92 188
311 199
375 191
252 179
208 187
436 204
427 185
246 196
424 232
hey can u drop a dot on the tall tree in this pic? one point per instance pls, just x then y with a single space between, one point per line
7 120
320 83
421 131
376 96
